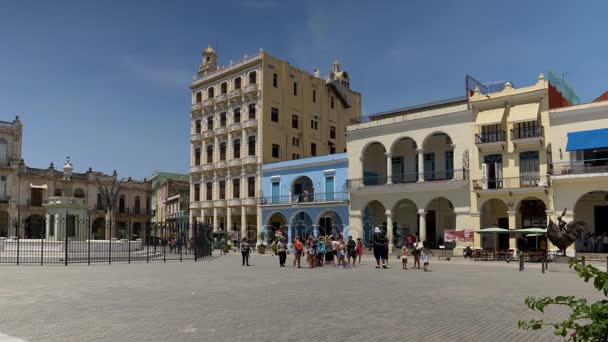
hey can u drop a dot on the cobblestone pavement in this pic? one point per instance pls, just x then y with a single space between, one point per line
220 300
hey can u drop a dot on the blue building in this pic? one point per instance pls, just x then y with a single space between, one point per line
306 196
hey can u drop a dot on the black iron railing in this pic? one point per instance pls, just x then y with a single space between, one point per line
429 176
512 182
527 132
578 167
490 137
304 198
67 241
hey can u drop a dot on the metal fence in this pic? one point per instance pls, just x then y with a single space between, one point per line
67 241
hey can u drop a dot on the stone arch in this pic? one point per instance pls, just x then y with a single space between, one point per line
438 156
373 215
405 220
302 224
404 160
592 208
302 189
493 213
440 216
330 222
374 163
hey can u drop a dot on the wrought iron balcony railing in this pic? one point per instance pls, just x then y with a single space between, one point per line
304 198
490 137
579 167
429 176
512 182
527 132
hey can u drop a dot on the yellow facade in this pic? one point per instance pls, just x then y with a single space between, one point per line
259 110
511 187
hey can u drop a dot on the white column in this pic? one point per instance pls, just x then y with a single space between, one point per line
356 225
202 216
229 147
244 223
216 149
420 165
362 162
229 219
243 144
422 234
512 225
389 169
215 219
389 230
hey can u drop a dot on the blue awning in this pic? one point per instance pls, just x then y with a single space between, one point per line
583 140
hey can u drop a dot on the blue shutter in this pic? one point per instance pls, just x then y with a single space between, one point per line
329 188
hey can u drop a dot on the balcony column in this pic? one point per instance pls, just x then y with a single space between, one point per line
215 219
420 165
243 184
389 168
229 153
389 230
202 216
228 189
362 163
422 225
216 149
244 223
355 225
244 144
229 219
512 225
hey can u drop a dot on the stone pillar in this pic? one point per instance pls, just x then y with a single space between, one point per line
362 163
389 169
229 219
389 230
215 220
356 225
244 223
202 216
244 144
229 147
420 165
512 225
422 234
216 149
476 225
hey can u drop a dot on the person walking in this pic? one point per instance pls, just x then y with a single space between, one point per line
298 250
416 251
334 248
379 242
359 249
282 249
426 255
322 250
245 251
222 244
351 246
404 253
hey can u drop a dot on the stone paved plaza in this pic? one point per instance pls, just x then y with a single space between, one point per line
218 300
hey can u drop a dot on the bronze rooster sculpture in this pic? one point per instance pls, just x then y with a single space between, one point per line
564 234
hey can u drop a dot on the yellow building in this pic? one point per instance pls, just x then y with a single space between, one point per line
510 165
579 137
409 170
259 110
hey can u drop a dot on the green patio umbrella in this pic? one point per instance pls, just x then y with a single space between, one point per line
533 230
493 230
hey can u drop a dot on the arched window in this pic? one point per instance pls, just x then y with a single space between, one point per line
237 83
251 145
121 204
198 126
209 154
236 149
137 204
210 93
224 88
197 156
252 78
199 97
79 193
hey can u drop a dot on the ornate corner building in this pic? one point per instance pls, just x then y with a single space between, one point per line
257 111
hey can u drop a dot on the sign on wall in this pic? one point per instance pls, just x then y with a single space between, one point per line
453 235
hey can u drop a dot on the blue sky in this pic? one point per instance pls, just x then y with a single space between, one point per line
106 82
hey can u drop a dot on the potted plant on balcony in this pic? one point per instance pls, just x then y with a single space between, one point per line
262 247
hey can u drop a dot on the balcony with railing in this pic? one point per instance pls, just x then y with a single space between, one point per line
580 167
490 137
197 106
236 93
234 127
430 176
249 160
535 182
208 134
220 99
303 199
250 88
527 132
208 102
251 123
221 130
196 137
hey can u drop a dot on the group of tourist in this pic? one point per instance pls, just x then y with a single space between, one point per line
334 251
593 243
322 251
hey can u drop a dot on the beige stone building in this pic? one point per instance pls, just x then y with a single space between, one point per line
170 196
259 110
409 170
24 190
